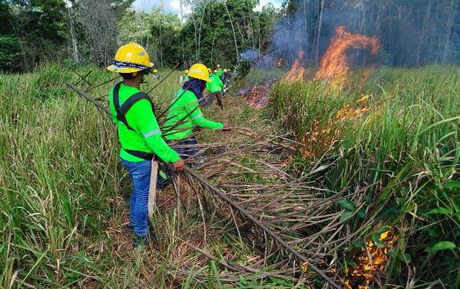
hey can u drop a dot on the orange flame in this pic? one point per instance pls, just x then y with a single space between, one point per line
334 62
370 261
297 71
258 96
321 137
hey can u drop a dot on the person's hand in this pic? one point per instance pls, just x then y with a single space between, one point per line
226 128
179 166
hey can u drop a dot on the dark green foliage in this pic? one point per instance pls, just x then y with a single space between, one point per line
243 68
215 42
33 30
6 26
10 52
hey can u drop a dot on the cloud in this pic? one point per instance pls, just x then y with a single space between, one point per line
262 3
173 6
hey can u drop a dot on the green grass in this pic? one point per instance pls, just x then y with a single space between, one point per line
399 159
64 193
58 167
59 171
62 186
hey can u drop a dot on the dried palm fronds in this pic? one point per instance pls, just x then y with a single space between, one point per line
249 171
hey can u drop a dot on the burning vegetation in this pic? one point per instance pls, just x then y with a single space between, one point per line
334 69
334 63
334 66
257 96
368 263
297 72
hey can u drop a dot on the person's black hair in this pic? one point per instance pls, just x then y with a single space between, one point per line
128 75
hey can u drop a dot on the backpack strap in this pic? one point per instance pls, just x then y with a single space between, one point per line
140 154
123 110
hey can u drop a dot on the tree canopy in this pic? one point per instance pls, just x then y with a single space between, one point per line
82 31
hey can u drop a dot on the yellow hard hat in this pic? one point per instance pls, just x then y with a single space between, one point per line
186 71
155 70
199 71
218 65
215 71
129 58
225 69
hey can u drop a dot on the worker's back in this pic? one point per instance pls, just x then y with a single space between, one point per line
215 84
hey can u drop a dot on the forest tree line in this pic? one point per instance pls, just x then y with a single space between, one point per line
412 33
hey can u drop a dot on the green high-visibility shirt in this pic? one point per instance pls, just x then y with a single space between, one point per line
146 136
219 72
215 84
186 104
186 78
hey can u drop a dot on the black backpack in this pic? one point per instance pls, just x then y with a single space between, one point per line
123 110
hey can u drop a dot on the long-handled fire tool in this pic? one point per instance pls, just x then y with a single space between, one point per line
227 200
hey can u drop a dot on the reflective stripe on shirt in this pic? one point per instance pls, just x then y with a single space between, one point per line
153 132
197 116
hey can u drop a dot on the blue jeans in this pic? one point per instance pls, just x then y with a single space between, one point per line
190 152
138 204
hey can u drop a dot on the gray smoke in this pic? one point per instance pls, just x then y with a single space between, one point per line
411 33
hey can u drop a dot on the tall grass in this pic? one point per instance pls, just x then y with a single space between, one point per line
64 195
396 152
59 172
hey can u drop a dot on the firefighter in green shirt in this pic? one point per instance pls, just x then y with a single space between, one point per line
218 70
216 89
185 114
138 132
224 78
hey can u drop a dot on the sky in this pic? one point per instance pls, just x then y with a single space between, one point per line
173 6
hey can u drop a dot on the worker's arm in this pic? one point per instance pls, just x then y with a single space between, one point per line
198 119
148 127
113 113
